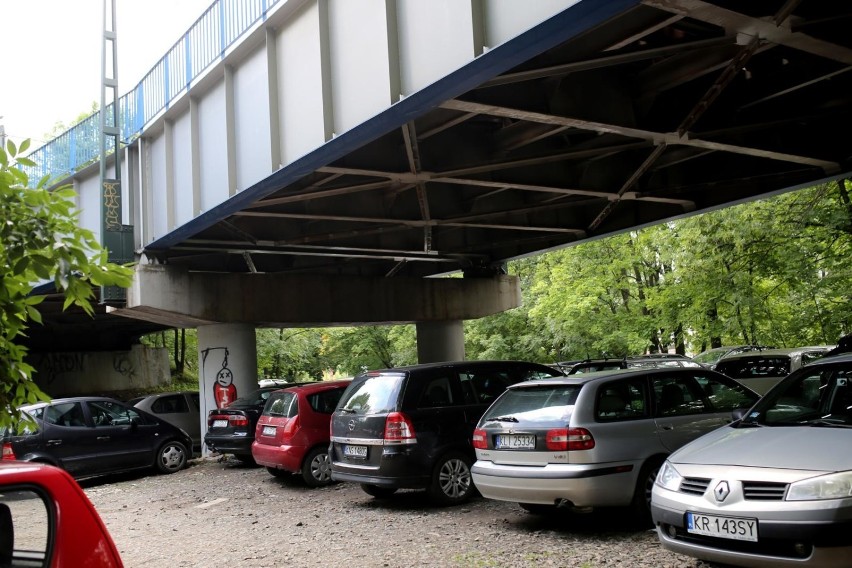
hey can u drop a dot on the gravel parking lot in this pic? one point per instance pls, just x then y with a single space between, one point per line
222 513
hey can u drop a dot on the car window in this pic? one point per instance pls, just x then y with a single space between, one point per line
65 414
172 404
677 395
811 356
437 392
326 401
483 386
755 367
723 396
109 413
254 398
545 405
622 400
281 404
823 395
24 527
377 394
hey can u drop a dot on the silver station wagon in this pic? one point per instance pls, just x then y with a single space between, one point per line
773 489
596 439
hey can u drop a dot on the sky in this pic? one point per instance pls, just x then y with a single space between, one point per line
51 55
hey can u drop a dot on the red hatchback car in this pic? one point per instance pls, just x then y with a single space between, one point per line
292 434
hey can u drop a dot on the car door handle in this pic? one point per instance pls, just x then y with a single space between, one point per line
103 438
54 442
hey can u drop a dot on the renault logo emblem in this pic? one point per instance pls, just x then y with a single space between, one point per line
722 491
351 425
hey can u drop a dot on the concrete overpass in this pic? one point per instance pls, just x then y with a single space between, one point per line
317 162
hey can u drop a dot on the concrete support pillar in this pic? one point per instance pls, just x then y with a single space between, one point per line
439 341
227 355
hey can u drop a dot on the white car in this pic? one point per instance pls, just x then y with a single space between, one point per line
772 489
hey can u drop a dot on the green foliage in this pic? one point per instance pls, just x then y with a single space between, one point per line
40 240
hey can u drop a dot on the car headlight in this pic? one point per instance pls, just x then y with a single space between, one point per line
832 486
669 478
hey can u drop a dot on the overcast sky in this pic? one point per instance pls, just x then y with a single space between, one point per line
51 55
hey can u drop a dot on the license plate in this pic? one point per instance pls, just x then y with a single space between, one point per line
355 451
220 423
722 527
514 442
269 430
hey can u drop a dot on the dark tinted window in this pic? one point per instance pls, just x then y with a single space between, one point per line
437 392
64 414
622 400
755 367
171 404
281 404
544 406
325 401
109 413
485 385
377 394
678 395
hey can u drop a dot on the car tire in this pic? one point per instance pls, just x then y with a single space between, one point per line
538 509
641 505
316 469
275 472
378 491
171 457
451 479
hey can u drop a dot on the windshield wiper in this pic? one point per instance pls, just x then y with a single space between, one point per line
749 424
827 422
502 419
348 410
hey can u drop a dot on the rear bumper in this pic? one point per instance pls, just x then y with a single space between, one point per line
229 444
400 467
583 485
288 458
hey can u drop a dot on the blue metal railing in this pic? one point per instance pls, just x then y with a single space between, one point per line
206 42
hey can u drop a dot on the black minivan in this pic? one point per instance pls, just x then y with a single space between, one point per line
411 427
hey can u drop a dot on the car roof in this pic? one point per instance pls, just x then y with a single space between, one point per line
601 376
482 363
70 399
776 352
314 386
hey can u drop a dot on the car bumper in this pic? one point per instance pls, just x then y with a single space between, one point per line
229 445
579 485
398 467
288 458
803 536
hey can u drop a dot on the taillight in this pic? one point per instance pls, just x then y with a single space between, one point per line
567 439
480 439
8 452
291 427
398 428
238 420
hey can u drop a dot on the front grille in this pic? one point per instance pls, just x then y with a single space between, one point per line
783 548
694 485
764 491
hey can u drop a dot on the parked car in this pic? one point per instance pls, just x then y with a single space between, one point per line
292 434
772 489
411 427
88 436
230 430
47 520
711 357
761 370
660 360
182 409
596 439
593 365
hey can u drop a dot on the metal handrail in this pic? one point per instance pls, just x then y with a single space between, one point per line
206 42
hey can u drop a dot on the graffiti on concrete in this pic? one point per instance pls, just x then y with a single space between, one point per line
53 364
224 390
124 366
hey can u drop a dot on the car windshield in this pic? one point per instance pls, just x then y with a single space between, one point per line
709 357
254 398
377 394
544 406
820 396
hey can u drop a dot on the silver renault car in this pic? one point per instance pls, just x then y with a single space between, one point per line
772 489
596 439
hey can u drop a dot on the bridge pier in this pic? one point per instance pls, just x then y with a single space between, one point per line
440 341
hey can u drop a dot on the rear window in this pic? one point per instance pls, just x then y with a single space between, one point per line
376 394
281 404
536 406
757 367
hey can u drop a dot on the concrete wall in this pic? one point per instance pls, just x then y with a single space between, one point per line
94 372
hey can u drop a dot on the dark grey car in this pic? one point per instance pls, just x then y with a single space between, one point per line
411 427
90 436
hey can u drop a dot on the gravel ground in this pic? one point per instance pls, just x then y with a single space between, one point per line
223 513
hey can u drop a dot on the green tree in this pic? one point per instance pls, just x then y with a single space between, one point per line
40 240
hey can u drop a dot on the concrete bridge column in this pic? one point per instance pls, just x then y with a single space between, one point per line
227 355
440 341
